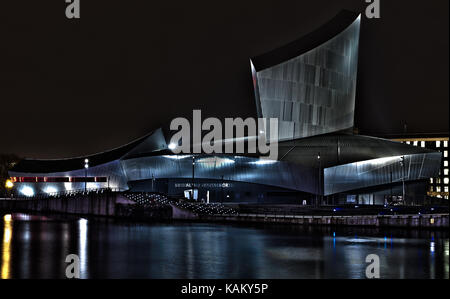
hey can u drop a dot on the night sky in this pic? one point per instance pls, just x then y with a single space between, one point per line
76 87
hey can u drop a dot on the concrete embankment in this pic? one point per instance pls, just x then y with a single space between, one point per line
117 205
432 221
104 204
108 204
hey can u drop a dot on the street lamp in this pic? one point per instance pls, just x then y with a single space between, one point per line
86 166
9 185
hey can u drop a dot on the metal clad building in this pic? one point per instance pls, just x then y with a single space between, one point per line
312 93
309 85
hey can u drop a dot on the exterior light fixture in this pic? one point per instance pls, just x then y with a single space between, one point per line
9 184
86 166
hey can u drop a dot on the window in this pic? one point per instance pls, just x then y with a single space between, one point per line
446 171
446 154
438 189
416 143
431 189
438 144
445 189
445 163
407 142
422 143
445 143
431 181
446 181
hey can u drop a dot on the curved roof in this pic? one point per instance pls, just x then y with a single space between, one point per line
61 165
339 149
306 43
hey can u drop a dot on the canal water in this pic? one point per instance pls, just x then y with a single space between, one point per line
37 246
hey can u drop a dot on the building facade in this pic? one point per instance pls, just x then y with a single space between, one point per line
438 186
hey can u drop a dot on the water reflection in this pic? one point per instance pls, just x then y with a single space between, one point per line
82 249
6 246
36 247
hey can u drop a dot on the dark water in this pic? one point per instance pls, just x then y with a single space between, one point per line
36 247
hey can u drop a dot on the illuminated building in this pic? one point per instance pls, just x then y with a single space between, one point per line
309 85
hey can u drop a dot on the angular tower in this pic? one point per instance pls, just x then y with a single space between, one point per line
310 84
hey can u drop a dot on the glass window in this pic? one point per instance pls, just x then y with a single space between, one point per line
445 163
446 181
422 143
407 142
445 189
438 144
446 154
416 143
431 189
431 181
446 171
438 189
445 143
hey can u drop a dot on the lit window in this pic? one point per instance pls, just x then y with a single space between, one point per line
431 181
438 189
438 144
431 189
445 163
416 143
446 171
446 181
422 143
445 189
445 143
407 142
438 181
445 154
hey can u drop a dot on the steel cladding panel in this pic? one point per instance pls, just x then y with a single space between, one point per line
314 93
376 172
241 169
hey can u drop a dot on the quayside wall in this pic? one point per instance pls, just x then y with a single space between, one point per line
432 221
95 204
116 205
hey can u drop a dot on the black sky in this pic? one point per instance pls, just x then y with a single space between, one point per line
75 87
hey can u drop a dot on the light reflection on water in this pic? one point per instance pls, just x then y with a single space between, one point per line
6 246
36 247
